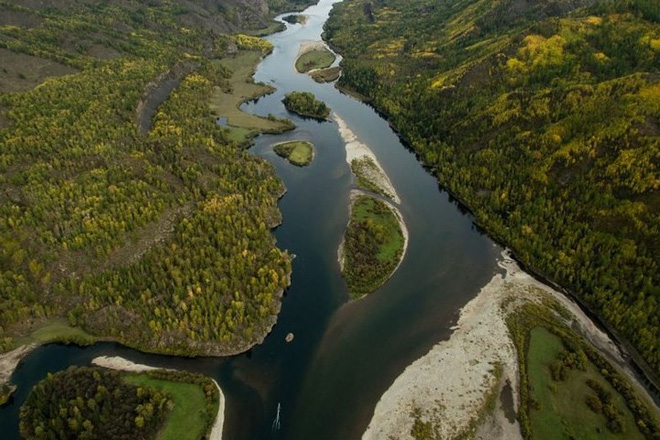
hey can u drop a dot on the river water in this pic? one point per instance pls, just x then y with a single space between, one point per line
344 355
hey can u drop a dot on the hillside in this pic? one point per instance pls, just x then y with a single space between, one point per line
543 118
124 208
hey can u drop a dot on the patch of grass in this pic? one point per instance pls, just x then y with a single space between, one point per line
57 330
373 246
326 75
315 59
559 371
241 88
299 153
23 72
188 418
561 411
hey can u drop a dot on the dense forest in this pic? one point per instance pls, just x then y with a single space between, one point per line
92 403
543 118
160 240
306 104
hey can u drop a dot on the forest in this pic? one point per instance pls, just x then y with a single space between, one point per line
541 117
159 240
92 403
97 403
305 104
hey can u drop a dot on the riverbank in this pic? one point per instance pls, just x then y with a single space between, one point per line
121 364
451 388
8 363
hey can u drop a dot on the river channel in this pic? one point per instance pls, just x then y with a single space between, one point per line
327 381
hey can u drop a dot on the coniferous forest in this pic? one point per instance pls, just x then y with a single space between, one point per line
157 237
541 117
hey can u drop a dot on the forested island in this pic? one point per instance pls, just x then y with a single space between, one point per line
298 153
543 119
305 104
315 59
373 245
96 403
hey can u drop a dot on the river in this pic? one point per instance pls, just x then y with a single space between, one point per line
344 355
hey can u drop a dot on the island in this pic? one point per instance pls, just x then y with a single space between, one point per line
318 57
373 245
295 18
299 153
94 402
325 75
305 104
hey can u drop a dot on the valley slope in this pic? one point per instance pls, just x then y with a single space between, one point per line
543 118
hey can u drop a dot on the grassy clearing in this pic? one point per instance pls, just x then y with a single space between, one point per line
188 419
373 246
326 75
243 125
315 59
299 153
562 411
20 71
57 330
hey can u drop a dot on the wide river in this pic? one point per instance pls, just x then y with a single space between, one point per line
344 355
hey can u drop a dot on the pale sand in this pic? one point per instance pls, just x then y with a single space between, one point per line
310 45
450 383
356 149
10 360
119 363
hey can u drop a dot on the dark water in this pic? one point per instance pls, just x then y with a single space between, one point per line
344 356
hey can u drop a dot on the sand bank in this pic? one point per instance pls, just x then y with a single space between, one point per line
450 384
356 149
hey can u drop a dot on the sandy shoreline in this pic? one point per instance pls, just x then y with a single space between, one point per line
449 385
356 149
121 364
9 362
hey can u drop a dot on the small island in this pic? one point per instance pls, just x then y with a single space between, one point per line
93 402
373 245
305 104
298 153
325 75
314 59
295 18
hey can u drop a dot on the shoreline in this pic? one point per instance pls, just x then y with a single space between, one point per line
9 362
356 149
448 382
121 364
